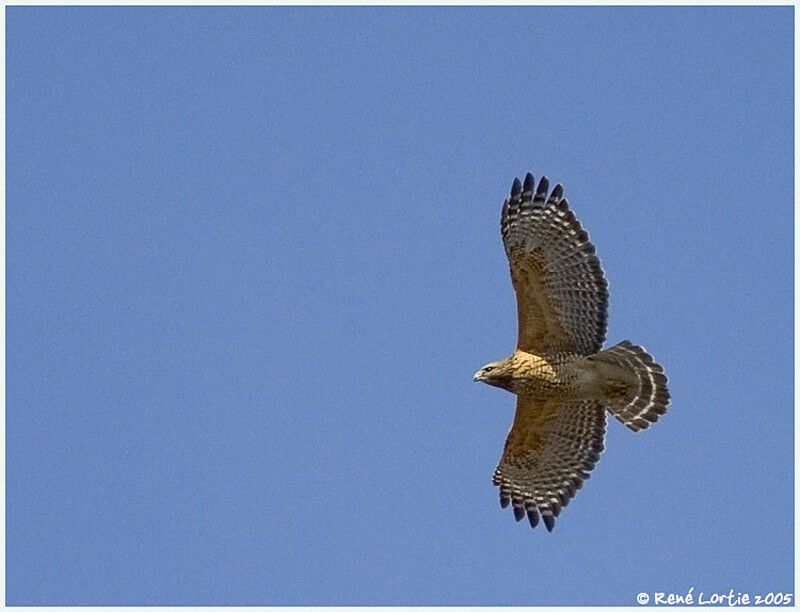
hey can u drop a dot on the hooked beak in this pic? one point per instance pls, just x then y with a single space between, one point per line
477 377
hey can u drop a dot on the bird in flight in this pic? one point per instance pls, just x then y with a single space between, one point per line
563 380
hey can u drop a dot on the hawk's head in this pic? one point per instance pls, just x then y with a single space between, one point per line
497 374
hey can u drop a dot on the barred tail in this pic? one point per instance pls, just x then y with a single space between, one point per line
648 397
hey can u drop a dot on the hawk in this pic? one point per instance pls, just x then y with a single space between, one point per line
563 381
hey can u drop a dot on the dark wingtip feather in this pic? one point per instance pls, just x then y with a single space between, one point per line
544 185
549 522
528 185
519 513
516 188
558 191
504 501
533 518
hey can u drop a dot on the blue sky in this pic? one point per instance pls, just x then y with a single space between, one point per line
253 260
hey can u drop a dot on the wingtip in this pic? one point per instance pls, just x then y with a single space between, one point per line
519 513
528 185
549 521
516 187
544 186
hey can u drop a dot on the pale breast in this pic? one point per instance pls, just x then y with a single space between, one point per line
558 375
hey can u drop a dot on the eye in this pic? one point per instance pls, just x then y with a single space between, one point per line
488 369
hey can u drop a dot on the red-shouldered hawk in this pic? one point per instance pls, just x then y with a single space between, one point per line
564 383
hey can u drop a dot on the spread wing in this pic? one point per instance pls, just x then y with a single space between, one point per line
550 450
562 295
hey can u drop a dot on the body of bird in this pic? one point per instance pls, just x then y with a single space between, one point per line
561 376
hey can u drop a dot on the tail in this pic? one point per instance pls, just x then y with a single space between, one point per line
646 399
